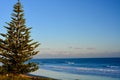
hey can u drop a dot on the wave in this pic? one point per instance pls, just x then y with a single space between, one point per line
82 68
70 62
113 66
97 69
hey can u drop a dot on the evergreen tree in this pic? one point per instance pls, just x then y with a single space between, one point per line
16 47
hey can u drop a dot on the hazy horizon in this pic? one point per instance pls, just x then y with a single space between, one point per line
70 28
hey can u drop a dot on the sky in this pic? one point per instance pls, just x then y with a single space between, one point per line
70 28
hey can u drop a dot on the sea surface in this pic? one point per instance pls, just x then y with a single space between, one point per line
109 67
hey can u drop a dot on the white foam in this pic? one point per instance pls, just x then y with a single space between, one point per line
113 66
70 63
81 68
96 69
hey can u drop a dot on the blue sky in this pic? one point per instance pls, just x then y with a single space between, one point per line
70 28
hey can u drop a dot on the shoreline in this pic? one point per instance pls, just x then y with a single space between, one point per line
38 76
68 76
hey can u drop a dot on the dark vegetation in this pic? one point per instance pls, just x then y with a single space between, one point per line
23 77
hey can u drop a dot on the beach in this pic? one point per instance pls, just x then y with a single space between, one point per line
79 68
68 76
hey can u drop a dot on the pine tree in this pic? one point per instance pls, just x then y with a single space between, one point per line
16 47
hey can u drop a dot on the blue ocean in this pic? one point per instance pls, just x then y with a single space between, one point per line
109 67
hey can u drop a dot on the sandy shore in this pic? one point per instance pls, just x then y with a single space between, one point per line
68 76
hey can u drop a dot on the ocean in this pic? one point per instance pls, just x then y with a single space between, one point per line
109 67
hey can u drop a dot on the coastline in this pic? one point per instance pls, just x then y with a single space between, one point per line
68 76
39 77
